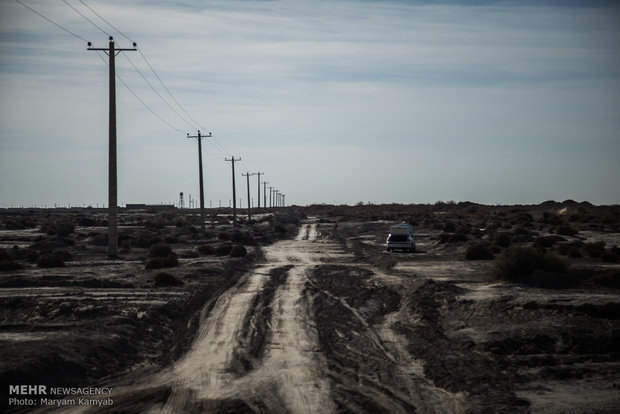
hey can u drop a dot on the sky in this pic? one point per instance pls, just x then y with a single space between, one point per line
495 102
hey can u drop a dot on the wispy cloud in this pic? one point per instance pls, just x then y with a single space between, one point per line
384 77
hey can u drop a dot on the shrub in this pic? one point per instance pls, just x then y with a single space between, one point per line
546 241
452 237
518 263
50 260
146 239
63 255
223 249
503 239
206 249
6 261
565 230
595 249
238 251
223 236
164 279
479 251
60 228
162 262
161 250
610 257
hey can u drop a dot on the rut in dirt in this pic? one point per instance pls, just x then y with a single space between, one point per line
286 376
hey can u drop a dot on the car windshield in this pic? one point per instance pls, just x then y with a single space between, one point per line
398 238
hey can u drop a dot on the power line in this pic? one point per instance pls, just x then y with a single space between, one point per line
51 21
138 98
107 22
86 18
158 94
214 142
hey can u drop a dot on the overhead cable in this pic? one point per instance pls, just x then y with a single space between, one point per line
51 21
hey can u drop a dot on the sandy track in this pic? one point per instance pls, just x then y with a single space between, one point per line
291 373
288 377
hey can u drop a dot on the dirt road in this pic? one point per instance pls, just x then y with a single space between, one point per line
285 339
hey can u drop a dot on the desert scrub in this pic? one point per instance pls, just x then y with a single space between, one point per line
565 230
518 263
162 256
503 239
547 241
160 250
206 249
7 262
58 228
452 237
163 279
595 249
50 260
238 251
479 251
162 262
223 249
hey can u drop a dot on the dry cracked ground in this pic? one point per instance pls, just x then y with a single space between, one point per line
325 321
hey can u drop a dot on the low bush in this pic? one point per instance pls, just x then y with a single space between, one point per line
610 257
610 278
518 263
223 249
49 260
162 262
164 279
58 228
7 262
595 249
503 239
206 249
160 250
452 237
238 251
479 251
565 230
63 255
547 241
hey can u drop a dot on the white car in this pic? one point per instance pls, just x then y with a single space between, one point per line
401 238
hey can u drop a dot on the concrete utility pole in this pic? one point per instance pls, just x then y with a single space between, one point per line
259 174
283 200
248 175
264 194
234 197
202 194
112 177
270 201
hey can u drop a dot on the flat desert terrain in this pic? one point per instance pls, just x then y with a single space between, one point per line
302 310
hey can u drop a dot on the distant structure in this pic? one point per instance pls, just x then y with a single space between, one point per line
181 202
156 207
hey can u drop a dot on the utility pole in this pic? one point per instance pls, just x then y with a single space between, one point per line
248 175
232 160
112 176
259 174
202 194
283 200
265 194
270 201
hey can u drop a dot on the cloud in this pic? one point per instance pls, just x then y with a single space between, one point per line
306 80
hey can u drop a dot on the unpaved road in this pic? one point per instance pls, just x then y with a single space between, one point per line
259 349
